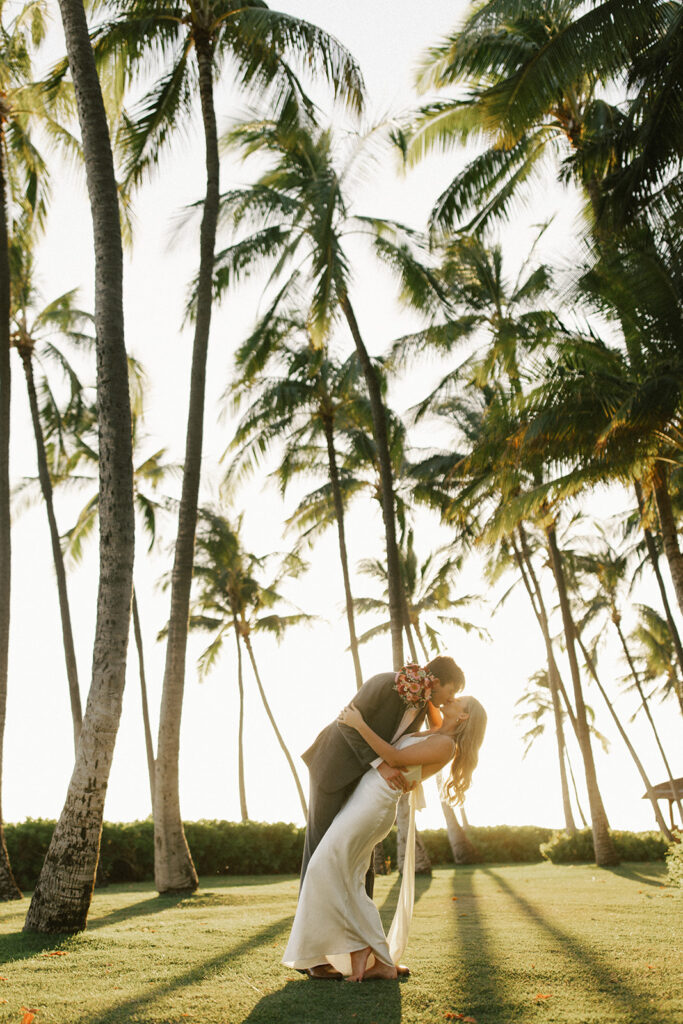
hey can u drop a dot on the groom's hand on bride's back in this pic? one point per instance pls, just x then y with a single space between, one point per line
394 777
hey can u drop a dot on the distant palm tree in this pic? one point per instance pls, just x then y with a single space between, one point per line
229 597
654 651
299 394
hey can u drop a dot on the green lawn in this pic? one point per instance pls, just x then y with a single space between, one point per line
486 943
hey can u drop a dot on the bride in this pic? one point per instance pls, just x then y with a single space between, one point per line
336 921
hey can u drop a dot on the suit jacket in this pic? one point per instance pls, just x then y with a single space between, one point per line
339 754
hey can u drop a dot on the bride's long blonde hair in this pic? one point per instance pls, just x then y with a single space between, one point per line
468 736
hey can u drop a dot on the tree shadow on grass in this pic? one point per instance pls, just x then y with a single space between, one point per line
124 1012
477 986
388 907
597 972
310 1002
637 874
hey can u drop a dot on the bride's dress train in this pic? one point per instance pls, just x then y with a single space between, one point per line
335 916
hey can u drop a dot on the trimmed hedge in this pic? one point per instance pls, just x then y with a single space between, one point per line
562 848
674 863
257 848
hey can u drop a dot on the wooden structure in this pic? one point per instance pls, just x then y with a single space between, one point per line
662 791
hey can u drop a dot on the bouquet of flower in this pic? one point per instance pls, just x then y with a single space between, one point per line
414 685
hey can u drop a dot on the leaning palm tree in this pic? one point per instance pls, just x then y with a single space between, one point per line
23 190
299 214
193 44
36 334
298 394
229 597
62 896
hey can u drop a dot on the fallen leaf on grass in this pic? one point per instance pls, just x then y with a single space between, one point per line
2 978
454 897
651 967
56 952
28 1017
4 1000
540 995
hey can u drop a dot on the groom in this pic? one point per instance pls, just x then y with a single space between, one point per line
339 757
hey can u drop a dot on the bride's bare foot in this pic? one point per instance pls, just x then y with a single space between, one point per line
380 972
359 959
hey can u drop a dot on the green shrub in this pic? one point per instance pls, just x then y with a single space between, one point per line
562 848
674 863
258 848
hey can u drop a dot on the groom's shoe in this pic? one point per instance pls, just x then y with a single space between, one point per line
324 972
402 971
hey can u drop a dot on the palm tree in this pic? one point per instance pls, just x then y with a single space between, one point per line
655 654
62 896
304 202
230 597
35 335
428 591
298 393
23 189
534 75
193 42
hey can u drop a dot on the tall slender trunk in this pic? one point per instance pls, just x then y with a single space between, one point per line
461 846
26 355
532 587
149 745
9 890
278 734
667 524
584 821
605 853
624 735
240 727
341 534
654 560
418 634
173 867
379 424
646 709
411 642
62 896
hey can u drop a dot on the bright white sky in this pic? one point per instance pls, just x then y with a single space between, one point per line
310 677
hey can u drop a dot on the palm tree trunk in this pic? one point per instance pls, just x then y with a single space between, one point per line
341 533
646 709
461 847
149 745
62 896
605 853
418 633
523 559
9 890
624 735
411 643
271 718
57 556
668 527
240 727
379 423
654 560
173 867
576 789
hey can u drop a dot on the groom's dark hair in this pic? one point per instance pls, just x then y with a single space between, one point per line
446 671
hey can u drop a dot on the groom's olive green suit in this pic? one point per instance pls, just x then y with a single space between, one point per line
340 756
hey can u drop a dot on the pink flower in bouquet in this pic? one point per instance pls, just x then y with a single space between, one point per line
414 685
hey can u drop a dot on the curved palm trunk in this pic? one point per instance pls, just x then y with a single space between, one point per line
624 735
418 634
271 718
173 867
62 896
379 423
654 560
646 709
240 727
149 745
341 533
57 556
605 853
411 642
667 523
532 587
461 847
9 890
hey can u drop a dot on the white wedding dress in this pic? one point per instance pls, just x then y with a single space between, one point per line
335 916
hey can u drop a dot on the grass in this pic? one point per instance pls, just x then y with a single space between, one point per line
530 943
